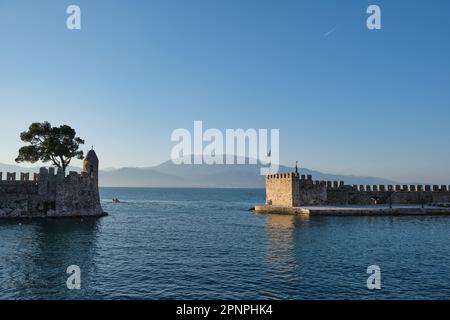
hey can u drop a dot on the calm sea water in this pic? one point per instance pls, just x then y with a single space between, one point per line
204 244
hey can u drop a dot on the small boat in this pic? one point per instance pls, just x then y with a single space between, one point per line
115 200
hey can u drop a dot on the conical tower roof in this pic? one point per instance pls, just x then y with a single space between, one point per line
91 156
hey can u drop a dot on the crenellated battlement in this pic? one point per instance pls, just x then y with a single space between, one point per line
331 185
294 189
287 175
51 192
24 176
12 177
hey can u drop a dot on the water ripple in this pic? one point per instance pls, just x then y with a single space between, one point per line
203 244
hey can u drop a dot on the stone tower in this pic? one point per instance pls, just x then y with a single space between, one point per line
283 189
90 165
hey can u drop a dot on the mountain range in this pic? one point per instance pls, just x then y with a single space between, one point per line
168 174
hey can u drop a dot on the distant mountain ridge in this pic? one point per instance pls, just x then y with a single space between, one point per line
168 174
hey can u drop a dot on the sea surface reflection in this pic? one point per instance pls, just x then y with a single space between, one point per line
204 244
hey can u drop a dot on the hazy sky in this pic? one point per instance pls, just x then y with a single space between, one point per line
346 99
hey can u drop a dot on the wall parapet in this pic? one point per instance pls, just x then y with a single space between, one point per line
286 175
334 185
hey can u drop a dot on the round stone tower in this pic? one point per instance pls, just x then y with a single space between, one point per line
90 164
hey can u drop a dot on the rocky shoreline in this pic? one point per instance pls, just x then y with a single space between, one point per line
11 214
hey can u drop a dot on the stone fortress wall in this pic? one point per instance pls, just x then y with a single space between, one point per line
295 190
50 194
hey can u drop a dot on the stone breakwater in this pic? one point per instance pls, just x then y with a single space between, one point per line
354 210
52 195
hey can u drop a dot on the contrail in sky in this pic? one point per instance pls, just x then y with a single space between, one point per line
326 34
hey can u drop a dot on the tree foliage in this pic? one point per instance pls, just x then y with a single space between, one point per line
46 143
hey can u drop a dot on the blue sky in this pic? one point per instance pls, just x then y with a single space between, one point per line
346 99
